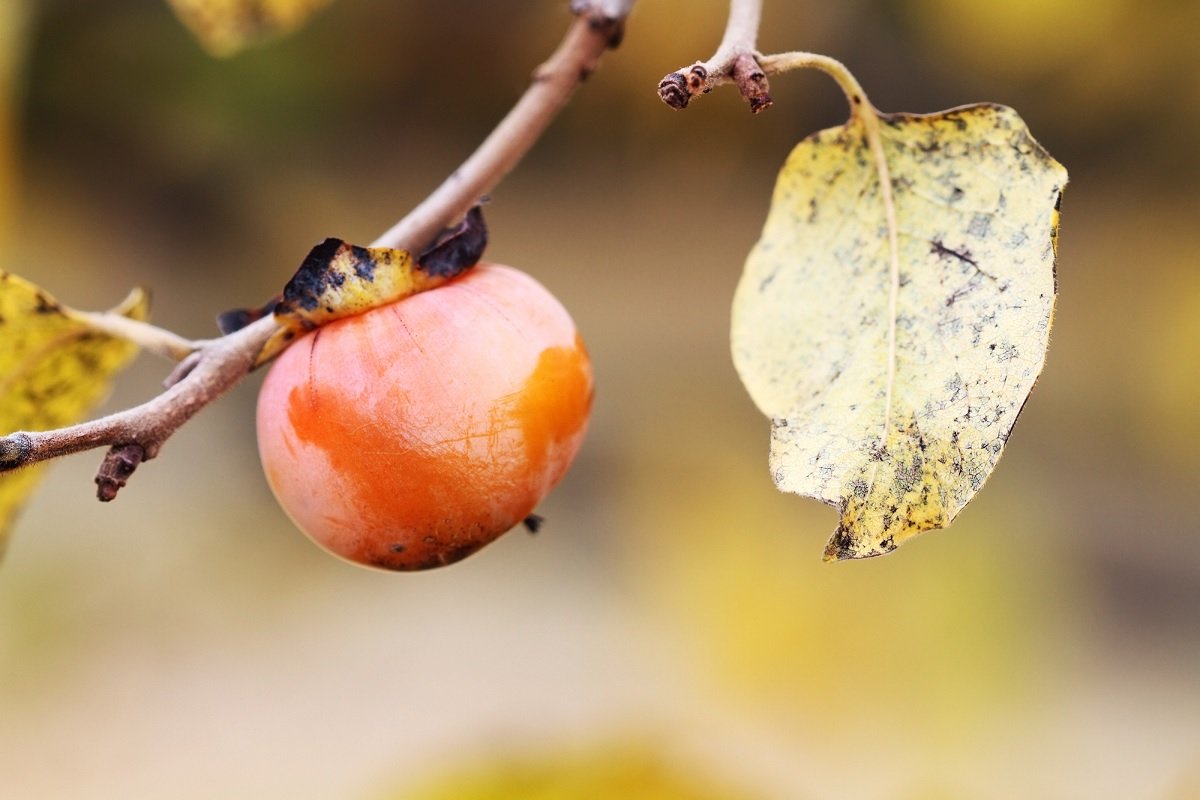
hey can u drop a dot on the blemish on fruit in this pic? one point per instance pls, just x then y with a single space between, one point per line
555 401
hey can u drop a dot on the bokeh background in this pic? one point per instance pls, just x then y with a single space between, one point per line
673 632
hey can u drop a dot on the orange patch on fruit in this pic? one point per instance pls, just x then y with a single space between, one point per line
396 483
554 403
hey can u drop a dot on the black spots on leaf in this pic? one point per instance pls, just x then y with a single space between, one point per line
457 248
955 117
908 475
305 288
980 226
1004 352
938 246
89 362
959 294
841 545
766 282
46 305
954 388
364 266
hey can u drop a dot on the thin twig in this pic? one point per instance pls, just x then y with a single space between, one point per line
553 83
210 368
735 61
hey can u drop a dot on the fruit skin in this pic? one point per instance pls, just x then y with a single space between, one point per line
412 435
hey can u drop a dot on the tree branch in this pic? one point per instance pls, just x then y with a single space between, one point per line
210 368
735 61
598 27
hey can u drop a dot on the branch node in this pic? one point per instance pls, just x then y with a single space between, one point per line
605 17
752 82
673 91
119 463
183 369
15 450
678 88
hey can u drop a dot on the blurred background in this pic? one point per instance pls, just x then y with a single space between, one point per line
672 632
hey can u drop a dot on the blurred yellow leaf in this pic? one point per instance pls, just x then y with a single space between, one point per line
53 369
14 29
626 773
892 386
225 27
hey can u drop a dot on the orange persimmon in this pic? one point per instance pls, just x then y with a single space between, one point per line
410 436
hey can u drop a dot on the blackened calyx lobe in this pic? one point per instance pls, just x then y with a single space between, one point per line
456 249
305 288
238 318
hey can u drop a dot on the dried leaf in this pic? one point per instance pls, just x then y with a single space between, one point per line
892 401
226 27
338 280
53 369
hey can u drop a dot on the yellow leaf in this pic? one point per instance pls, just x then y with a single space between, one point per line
892 379
225 27
628 773
53 369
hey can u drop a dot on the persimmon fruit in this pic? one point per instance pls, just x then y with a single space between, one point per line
410 436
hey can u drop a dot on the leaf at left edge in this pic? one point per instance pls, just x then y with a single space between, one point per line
226 27
53 371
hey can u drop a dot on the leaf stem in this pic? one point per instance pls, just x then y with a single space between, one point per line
210 368
153 339
737 47
864 112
